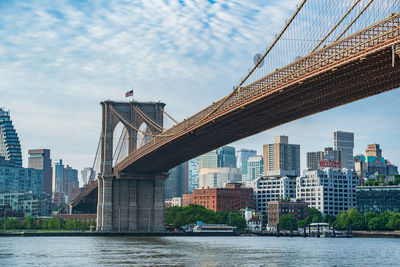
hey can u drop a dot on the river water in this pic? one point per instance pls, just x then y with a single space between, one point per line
198 251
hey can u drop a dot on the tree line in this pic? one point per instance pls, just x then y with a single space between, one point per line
350 219
30 223
180 216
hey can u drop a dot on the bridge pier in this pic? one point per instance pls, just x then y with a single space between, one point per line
133 203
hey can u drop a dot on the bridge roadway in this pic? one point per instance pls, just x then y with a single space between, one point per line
353 68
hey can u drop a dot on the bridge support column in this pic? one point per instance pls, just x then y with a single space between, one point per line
107 219
99 203
133 203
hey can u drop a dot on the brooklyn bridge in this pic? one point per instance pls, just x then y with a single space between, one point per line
353 54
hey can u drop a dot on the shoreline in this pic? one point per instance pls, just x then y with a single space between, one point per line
366 234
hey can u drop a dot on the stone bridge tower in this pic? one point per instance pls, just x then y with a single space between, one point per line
129 201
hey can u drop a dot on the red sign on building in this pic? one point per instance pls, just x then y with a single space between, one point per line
330 163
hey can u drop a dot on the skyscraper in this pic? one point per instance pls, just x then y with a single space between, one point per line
218 158
226 157
39 159
193 178
242 155
282 156
177 182
88 175
64 179
254 166
10 147
344 142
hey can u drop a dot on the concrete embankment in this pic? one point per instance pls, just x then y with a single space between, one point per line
395 234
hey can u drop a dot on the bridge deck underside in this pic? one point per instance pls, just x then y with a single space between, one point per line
362 77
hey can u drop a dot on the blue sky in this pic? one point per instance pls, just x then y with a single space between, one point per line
59 59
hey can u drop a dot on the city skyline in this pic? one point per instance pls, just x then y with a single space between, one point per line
61 60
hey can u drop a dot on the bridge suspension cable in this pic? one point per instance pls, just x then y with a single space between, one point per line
236 88
334 28
95 158
354 20
148 119
137 129
169 116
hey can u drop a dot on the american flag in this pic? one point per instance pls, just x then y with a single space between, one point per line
129 93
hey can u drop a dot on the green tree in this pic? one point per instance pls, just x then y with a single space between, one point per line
397 180
394 222
12 223
375 224
354 220
286 221
314 216
301 223
28 222
329 218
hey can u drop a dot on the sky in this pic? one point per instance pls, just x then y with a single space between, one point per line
60 59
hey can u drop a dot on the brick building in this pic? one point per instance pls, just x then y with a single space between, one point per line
230 198
284 207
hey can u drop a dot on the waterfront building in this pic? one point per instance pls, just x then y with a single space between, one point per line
272 186
281 156
176 202
276 209
344 142
378 198
29 203
223 157
373 162
10 147
230 198
88 175
15 179
217 177
254 168
193 178
313 158
330 190
39 159
242 155
177 182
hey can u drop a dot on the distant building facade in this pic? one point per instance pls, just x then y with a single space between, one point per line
281 156
373 162
344 142
31 204
64 179
88 175
276 209
314 158
254 168
39 159
217 177
193 166
330 190
223 157
378 198
177 182
242 155
231 198
14 179
273 186
10 147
